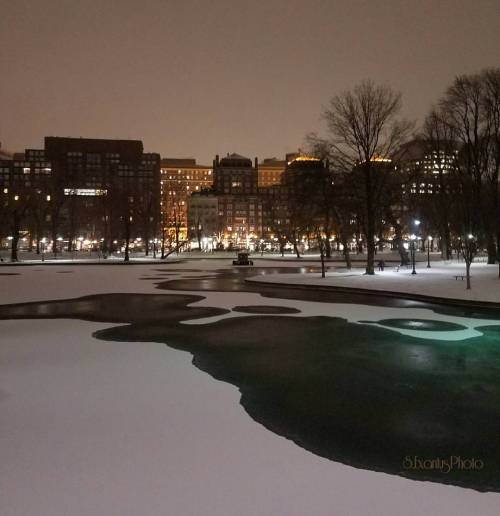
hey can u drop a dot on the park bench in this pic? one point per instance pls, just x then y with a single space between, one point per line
461 276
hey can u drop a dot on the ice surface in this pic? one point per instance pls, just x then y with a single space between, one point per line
90 427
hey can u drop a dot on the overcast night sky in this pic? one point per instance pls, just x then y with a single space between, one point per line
196 78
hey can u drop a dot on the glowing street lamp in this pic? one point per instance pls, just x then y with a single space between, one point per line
43 242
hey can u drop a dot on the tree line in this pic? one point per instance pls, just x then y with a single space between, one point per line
369 188
45 212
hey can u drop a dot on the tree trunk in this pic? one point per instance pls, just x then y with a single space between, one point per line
127 241
38 231
467 269
15 239
347 254
54 239
370 220
127 256
328 247
296 249
498 253
177 236
163 237
322 257
492 251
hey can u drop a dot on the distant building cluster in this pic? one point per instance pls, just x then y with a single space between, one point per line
78 193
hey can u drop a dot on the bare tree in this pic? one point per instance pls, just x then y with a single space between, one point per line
470 118
57 201
439 139
365 129
491 107
16 204
147 213
123 206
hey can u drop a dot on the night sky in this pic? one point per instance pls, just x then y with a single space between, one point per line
196 78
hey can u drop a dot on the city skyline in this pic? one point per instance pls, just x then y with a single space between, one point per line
250 257
195 80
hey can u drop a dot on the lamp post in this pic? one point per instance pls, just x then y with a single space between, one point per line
412 251
429 240
59 239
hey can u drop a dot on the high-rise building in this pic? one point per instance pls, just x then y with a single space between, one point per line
203 217
96 190
423 165
270 171
235 175
240 207
179 179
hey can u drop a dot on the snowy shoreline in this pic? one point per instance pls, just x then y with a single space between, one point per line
436 284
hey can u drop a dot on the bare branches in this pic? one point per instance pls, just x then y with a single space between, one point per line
365 130
364 124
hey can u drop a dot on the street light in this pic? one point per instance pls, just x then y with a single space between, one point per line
59 239
43 241
429 240
412 251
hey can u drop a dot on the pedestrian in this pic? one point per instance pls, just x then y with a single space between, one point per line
381 265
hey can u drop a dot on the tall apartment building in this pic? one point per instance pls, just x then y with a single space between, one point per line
88 189
423 166
248 196
204 221
25 196
240 206
179 179
270 171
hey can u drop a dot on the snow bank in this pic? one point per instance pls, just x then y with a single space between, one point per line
438 281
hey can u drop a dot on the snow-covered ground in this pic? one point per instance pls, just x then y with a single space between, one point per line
91 427
438 281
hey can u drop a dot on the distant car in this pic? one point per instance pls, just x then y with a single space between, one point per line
242 259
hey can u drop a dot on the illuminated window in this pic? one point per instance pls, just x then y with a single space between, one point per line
90 192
